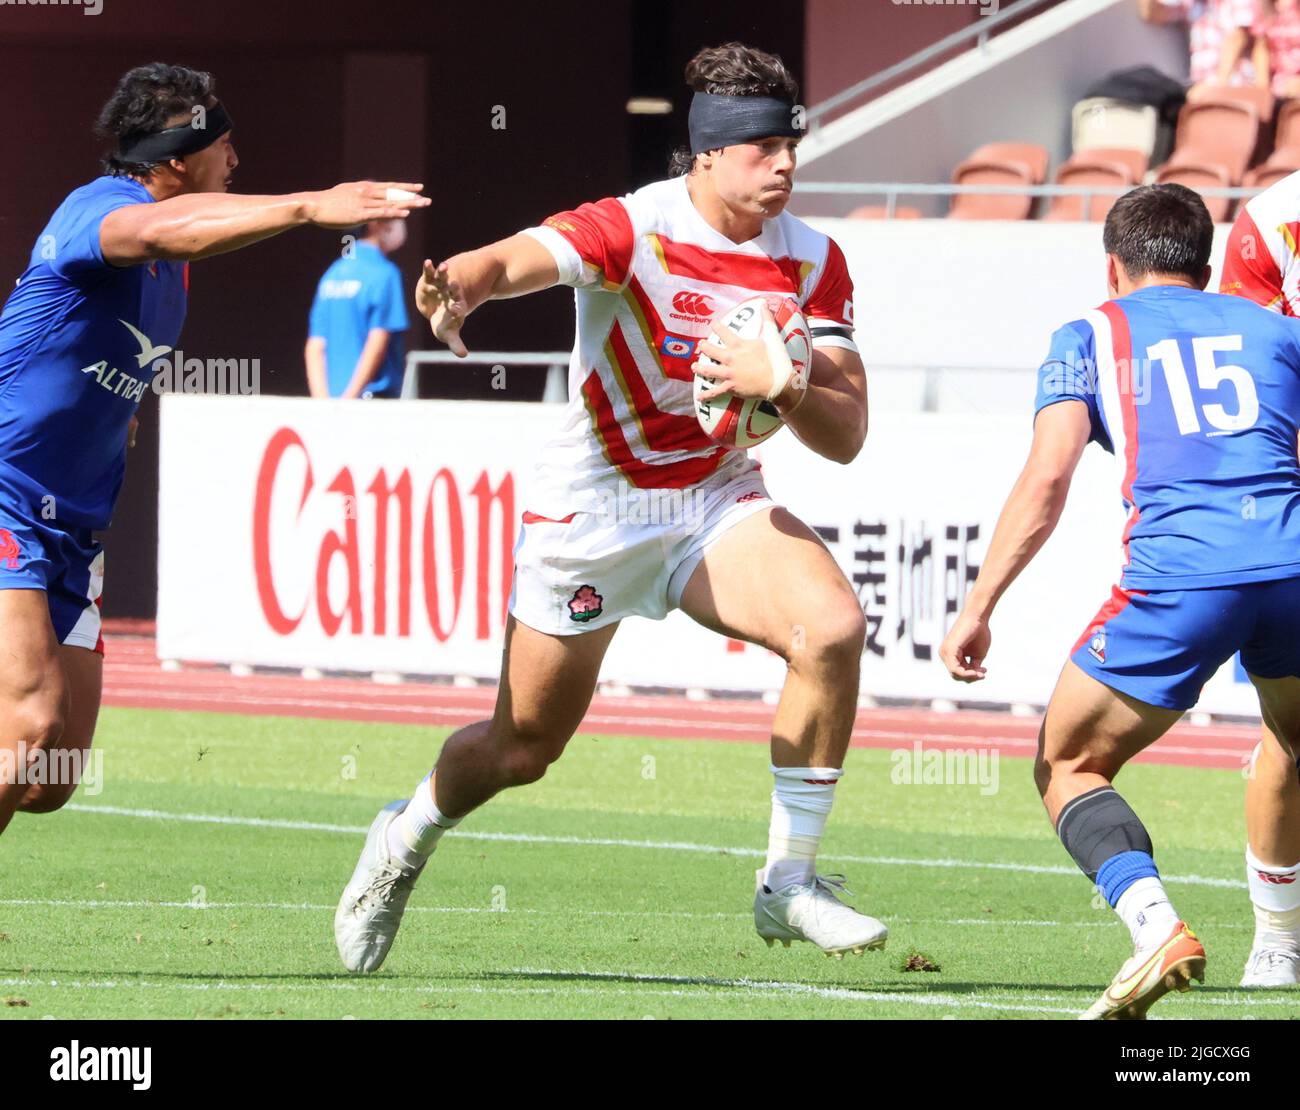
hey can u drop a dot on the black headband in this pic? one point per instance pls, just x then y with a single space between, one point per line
718 121
178 141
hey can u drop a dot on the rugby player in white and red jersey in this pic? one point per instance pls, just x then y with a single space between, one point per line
650 271
1262 263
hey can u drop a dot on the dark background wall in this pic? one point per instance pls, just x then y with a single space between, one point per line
322 93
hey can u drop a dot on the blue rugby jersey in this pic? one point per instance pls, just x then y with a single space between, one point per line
1198 395
78 338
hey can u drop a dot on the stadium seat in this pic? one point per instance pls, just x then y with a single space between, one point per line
1194 175
1261 100
1281 163
1087 169
1134 161
1288 126
998 164
1102 122
1220 132
881 212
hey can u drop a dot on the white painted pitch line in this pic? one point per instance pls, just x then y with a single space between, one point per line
315 907
611 842
674 986
321 907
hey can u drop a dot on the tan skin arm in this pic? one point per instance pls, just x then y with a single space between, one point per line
199 225
831 419
314 356
447 293
372 354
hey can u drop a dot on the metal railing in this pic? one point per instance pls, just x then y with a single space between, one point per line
977 32
556 363
891 191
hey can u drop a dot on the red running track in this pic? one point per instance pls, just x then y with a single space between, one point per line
133 678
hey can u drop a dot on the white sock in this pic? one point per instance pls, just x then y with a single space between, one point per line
1146 910
414 835
801 803
1275 894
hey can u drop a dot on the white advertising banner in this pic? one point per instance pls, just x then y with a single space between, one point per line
378 537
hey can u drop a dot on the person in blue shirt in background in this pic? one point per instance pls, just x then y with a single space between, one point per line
103 298
354 346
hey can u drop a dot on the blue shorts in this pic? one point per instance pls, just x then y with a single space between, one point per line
1162 646
67 565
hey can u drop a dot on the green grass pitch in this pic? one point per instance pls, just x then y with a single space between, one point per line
619 887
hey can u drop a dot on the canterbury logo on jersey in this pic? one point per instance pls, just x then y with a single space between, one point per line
691 306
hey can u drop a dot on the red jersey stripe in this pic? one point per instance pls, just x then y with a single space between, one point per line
757 272
662 431
535 518
1122 346
1115 604
643 475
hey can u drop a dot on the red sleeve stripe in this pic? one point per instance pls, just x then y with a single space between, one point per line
834 290
601 233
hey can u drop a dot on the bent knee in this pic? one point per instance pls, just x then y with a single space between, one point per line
38 719
47 797
1061 765
832 639
525 755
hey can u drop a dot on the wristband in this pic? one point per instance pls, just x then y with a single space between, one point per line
779 357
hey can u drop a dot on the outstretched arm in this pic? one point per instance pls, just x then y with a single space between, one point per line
447 293
198 225
1029 517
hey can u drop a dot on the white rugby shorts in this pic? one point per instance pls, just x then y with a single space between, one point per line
631 557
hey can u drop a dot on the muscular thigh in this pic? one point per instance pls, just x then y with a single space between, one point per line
547 681
1279 701
770 580
83 672
29 654
1090 727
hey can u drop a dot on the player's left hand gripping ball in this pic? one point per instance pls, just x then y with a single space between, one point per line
762 347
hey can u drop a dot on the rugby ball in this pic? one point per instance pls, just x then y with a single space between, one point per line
745 422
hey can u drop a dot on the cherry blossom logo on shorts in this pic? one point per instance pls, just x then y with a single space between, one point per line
585 604
9 549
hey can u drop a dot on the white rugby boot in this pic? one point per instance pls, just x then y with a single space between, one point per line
812 912
1272 967
373 901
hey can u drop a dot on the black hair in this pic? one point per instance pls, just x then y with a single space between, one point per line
1160 229
733 69
145 99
